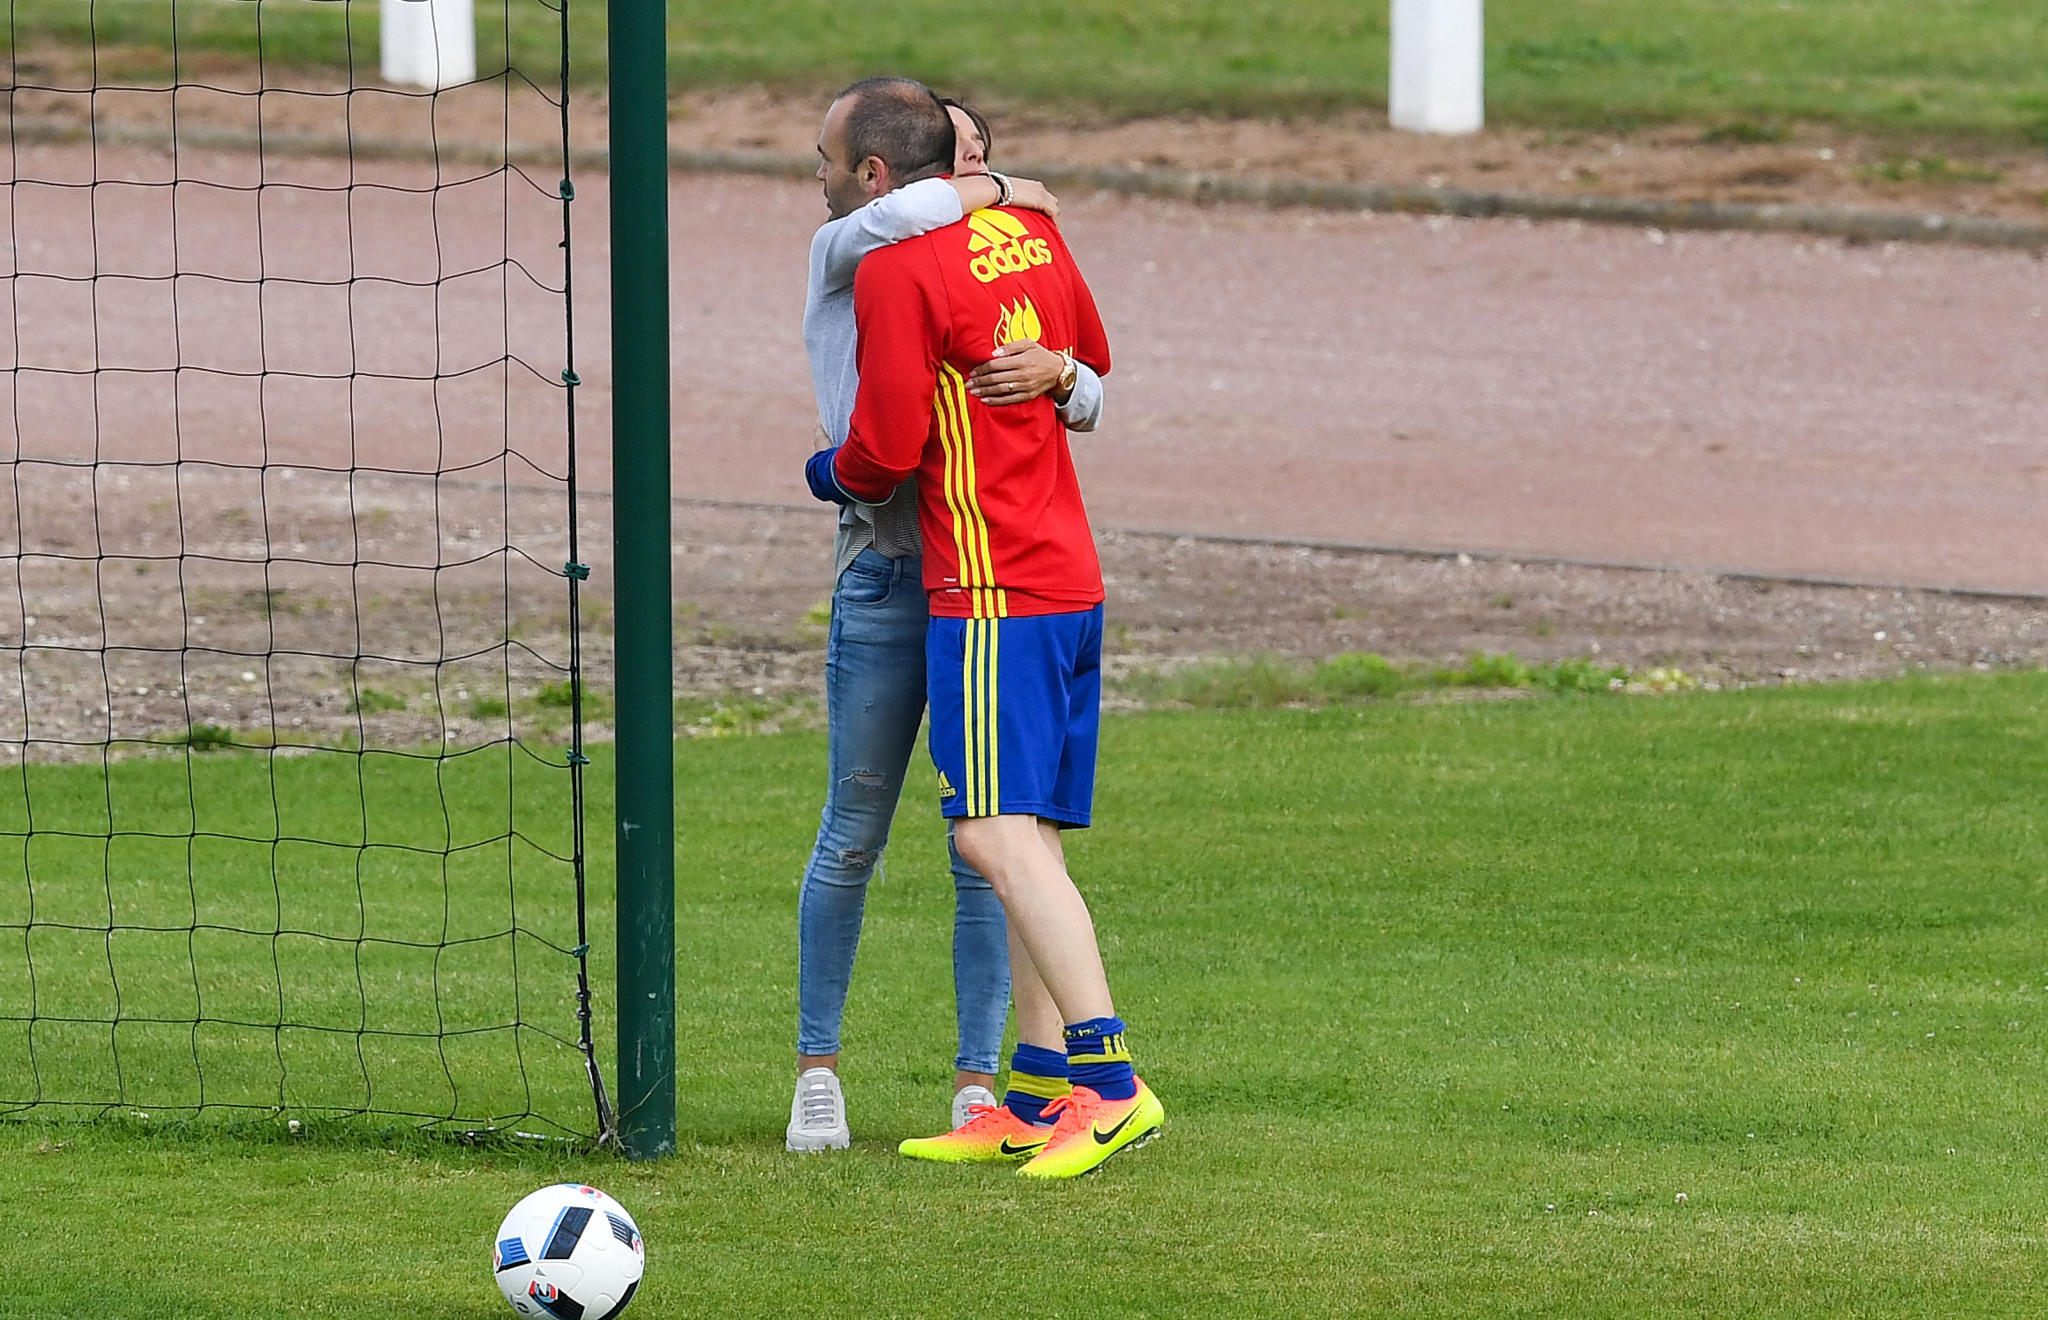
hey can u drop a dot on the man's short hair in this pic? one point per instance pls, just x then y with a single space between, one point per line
901 121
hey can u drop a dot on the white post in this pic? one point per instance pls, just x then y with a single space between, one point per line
429 43
1438 69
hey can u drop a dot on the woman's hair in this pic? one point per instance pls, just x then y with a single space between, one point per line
988 141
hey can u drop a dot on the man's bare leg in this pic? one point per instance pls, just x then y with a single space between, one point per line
1054 944
1046 912
1019 1127
1038 1017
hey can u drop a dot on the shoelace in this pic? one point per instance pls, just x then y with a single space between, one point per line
816 1103
980 1111
1057 1110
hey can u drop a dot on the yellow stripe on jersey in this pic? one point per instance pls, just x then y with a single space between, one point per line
949 443
964 540
955 435
970 528
990 601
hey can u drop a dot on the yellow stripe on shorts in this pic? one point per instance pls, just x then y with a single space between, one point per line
979 672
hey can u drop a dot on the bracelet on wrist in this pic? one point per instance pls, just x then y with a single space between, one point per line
1004 192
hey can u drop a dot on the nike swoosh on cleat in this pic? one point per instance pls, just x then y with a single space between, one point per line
1007 1149
1104 1138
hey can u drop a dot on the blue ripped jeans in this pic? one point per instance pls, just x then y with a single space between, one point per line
874 702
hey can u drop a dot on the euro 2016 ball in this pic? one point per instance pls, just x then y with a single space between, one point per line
569 1252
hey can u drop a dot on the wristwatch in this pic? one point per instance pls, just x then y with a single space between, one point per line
1069 373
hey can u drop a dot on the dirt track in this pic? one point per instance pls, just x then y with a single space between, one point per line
1722 402
1703 403
1810 164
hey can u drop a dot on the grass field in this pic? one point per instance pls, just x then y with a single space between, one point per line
396 911
1448 1003
1975 70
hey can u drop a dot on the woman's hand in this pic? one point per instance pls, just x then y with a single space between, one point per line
1018 373
1033 196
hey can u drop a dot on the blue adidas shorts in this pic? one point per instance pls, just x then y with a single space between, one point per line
1016 708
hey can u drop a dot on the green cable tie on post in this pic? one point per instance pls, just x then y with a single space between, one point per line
575 570
578 758
567 190
580 951
571 378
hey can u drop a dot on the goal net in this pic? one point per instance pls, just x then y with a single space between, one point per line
291 710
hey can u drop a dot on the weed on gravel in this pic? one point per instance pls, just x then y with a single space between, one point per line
1269 682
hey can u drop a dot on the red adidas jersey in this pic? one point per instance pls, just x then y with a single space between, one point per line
998 502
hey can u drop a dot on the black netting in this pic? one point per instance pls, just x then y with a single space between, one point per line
291 778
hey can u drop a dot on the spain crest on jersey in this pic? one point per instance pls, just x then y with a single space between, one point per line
1018 321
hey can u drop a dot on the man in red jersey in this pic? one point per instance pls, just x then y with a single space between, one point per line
1013 655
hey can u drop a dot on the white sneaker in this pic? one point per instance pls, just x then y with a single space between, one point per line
966 1098
817 1114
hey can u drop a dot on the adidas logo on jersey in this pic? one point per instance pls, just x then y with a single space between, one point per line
946 789
1004 246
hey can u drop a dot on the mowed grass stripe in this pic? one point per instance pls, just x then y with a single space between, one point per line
1970 69
1447 1003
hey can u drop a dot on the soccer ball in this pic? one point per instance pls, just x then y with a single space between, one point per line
569 1252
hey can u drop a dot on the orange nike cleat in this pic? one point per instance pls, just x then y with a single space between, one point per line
1091 1129
991 1135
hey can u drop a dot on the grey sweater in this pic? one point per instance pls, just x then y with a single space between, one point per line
830 337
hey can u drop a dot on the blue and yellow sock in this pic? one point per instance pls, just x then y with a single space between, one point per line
1097 1059
1037 1078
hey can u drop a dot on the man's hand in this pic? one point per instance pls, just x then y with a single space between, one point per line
1018 373
1033 196
819 477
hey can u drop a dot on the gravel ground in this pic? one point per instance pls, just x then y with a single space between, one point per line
131 646
1525 393
1812 164
751 575
753 580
